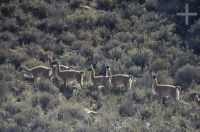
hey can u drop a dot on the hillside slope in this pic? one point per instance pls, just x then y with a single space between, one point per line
132 36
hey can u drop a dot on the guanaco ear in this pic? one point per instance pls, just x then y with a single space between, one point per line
50 57
155 73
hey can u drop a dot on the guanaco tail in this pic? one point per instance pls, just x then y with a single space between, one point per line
98 80
120 79
165 90
69 75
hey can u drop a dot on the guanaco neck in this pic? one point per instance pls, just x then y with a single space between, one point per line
197 99
108 72
92 74
50 63
26 69
155 83
58 71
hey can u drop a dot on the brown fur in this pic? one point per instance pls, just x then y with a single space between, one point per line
38 71
69 75
98 80
165 90
120 79
62 67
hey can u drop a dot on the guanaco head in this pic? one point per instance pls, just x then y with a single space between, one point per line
195 95
107 67
154 75
90 68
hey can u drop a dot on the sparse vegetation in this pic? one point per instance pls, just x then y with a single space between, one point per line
135 37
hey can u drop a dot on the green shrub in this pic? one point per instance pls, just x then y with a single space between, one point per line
87 50
75 3
46 86
4 91
128 108
45 100
30 36
47 42
104 4
68 37
185 75
124 37
194 39
159 64
141 57
3 56
135 71
110 45
7 72
116 53
69 114
109 20
17 58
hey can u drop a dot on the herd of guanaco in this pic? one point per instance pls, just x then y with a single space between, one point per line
68 74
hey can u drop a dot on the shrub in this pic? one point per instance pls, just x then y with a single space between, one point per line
124 37
45 100
7 72
185 75
29 36
68 37
17 58
128 108
109 20
76 45
4 90
110 45
69 114
195 39
48 42
104 4
159 64
141 57
46 86
86 50
75 3
3 56
116 53
76 60
135 71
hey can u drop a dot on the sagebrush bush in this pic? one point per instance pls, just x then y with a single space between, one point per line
124 37
159 64
86 50
185 75
29 36
194 41
45 100
109 20
4 90
17 58
3 56
104 4
116 53
7 72
128 108
68 37
110 45
141 57
44 85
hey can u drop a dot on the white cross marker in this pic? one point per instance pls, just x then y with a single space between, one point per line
186 14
